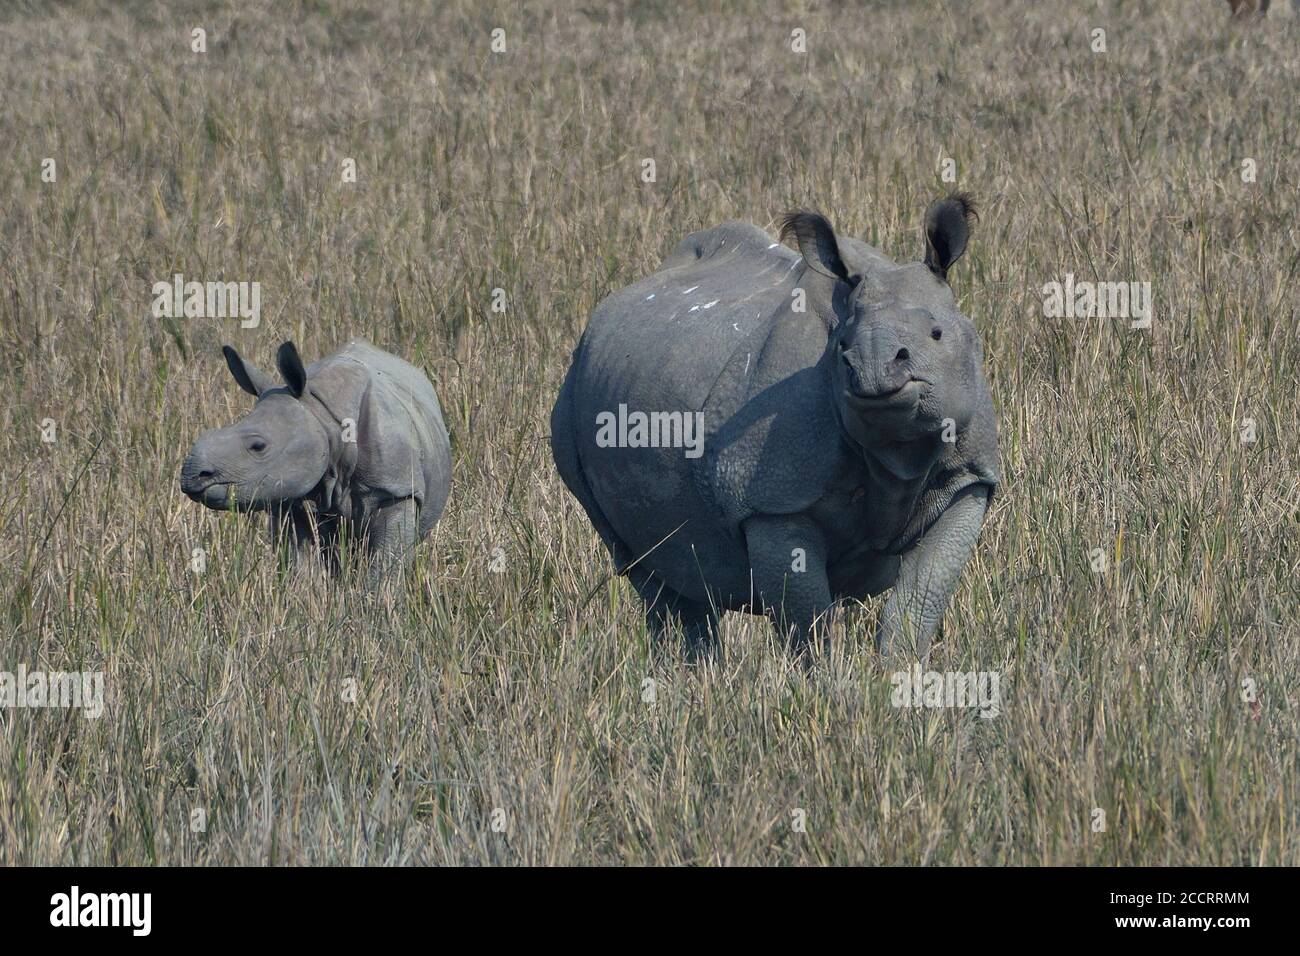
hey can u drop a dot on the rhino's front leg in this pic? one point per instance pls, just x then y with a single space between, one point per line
329 534
390 538
928 576
787 556
291 528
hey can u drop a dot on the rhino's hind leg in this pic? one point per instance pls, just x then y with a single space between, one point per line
665 607
564 449
390 538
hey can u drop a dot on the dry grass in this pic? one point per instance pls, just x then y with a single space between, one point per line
521 171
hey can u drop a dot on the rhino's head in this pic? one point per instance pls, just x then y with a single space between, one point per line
905 364
278 452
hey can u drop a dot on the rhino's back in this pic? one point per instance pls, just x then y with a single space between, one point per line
398 374
667 336
661 345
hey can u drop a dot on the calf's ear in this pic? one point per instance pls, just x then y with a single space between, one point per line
947 230
250 378
815 237
290 366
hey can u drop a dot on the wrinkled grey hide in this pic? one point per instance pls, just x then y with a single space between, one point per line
824 472
356 436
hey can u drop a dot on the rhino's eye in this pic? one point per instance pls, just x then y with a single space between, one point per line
257 446
936 333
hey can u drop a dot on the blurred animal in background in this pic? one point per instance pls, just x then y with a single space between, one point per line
1253 8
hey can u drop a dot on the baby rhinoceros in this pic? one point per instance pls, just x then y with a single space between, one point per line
356 436
757 430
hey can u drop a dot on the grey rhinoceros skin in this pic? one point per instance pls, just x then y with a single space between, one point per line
355 437
849 446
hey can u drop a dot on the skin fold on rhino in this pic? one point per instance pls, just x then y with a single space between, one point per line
354 442
849 437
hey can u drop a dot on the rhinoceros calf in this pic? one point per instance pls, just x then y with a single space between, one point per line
357 436
751 429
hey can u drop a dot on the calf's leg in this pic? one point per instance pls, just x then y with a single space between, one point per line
291 529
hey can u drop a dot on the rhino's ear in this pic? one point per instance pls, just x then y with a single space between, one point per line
250 378
815 237
947 230
291 370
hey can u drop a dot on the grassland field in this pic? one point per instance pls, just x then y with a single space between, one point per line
495 710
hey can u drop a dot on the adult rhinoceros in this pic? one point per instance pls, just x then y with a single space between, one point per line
848 435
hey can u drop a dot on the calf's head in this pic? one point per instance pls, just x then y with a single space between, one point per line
278 452
905 364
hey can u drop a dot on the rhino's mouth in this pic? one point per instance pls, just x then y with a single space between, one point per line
225 496
212 494
903 392
210 491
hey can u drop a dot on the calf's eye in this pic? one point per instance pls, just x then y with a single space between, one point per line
936 333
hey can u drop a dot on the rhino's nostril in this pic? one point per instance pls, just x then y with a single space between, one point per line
902 356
